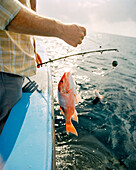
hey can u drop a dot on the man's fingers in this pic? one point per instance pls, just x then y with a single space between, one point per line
81 36
38 60
80 41
84 30
73 34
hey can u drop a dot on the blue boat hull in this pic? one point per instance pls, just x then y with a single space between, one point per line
26 141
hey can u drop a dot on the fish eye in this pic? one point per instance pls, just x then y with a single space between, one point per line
61 81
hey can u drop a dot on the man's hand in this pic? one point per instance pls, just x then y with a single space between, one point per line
73 34
38 60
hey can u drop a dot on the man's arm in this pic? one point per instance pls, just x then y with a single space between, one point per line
28 22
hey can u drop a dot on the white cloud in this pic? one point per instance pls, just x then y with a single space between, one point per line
111 16
126 28
117 10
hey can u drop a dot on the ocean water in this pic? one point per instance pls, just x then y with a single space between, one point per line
107 130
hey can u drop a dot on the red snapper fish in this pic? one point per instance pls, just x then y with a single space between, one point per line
67 97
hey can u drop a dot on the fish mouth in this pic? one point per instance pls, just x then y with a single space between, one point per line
66 74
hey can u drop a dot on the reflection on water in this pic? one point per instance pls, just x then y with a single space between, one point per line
85 152
107 130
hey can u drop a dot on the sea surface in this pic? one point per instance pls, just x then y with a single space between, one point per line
106 130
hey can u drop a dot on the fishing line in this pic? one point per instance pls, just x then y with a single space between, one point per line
88 38
114 64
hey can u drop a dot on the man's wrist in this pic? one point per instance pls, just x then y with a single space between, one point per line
59 29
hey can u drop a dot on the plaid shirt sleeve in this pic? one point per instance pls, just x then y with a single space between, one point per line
8 10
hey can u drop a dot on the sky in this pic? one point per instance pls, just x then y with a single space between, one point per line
108 16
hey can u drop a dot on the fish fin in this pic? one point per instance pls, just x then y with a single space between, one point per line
61 110
78 98
95 91
75 116
70 128
101 97
74 80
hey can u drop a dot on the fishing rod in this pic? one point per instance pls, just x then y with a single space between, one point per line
81 53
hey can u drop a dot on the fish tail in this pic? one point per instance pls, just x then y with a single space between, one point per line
70 128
